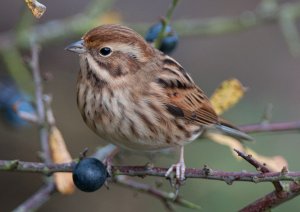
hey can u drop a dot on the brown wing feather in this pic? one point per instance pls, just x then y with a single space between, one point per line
185 99
195 109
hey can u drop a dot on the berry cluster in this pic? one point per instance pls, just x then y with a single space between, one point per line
168 43
12 101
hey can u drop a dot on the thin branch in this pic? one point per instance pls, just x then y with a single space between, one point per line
44 134
283 191
271 127
259 167
206 173
42 195
34 65
273 199
142 171
37 199
165 22
21 166
163 196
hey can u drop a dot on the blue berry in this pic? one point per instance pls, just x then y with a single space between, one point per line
168 43
154 31
11 99
89 174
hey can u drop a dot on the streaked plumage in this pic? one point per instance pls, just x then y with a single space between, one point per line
137 97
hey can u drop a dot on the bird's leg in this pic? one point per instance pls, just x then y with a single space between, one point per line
108 160
108 163
179 167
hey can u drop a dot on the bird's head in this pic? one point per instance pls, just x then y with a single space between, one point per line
115 49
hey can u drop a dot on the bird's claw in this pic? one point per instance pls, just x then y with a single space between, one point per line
179 170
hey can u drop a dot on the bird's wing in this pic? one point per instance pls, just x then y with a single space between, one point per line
185 99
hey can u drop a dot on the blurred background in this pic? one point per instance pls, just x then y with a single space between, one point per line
258 57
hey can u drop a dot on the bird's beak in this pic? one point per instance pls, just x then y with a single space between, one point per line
77 47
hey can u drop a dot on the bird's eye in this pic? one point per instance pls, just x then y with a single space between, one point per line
105 51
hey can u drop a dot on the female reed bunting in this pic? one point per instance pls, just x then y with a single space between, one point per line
136 97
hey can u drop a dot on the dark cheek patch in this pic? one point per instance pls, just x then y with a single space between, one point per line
111 64
103 65
117 71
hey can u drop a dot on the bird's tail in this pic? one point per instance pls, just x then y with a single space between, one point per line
228 129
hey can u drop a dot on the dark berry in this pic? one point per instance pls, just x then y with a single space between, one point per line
154 31
168 43
89 174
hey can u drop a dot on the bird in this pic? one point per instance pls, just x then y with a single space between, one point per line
136 97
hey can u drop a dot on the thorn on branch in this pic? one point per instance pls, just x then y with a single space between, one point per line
149 166
83 154
259 167
255 179
284 171
229 180
207 171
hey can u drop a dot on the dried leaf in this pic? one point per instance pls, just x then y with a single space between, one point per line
275 163
232 143
36 8
110 18
227 95
60 154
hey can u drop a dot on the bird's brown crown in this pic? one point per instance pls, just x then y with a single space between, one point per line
113 33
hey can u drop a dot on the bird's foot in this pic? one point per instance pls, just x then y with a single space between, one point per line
179 169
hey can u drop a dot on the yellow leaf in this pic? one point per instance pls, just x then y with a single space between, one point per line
36 8
227 95
110 18
60 154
